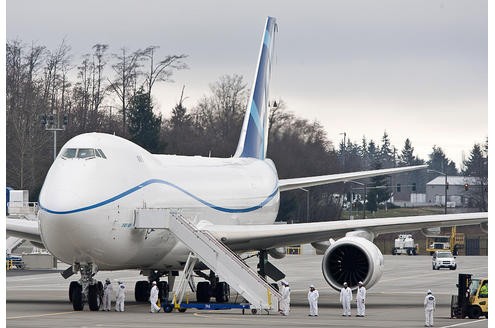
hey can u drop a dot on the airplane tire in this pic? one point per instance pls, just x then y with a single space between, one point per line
94 299
142 291
72 285
474 312
162 290
222 292
203 292
77 297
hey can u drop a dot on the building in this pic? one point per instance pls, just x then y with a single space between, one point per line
461 191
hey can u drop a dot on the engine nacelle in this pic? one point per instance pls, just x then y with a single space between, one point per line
277 253
352 259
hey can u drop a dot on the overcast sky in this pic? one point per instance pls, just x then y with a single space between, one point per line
415 69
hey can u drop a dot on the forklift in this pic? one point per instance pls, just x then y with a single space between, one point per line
471 299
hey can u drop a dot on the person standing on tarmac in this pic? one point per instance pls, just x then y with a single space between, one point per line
107 295
285 301
120 297
154 298
360 300
429 304
345 299
313 296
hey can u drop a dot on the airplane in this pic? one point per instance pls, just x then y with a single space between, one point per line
88 199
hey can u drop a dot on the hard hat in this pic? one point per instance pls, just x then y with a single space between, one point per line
360 282
284 282
154 282
429 291
107 280
311 286
345 283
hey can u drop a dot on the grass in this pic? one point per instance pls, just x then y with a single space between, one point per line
403 211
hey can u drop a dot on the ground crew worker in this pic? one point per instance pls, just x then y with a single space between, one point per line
429 304
285 301
360 300
484 290
345 299
120 297
154 298
107 295
313 296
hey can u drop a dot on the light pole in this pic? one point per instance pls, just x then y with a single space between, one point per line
446 184
307 203
48 121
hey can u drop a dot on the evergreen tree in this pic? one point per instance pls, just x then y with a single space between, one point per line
438 161
143 124
386 153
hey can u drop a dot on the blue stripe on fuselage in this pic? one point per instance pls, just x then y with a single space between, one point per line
159 181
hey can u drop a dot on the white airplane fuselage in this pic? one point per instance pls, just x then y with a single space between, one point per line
88 204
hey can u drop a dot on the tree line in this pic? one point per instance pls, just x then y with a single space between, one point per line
113 93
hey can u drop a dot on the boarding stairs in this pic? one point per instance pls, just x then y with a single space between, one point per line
12 243
214 254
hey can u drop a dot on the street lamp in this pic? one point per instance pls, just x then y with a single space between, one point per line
48 121
364 196
307 203
446 184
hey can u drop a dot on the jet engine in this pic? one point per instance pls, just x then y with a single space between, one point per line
352 259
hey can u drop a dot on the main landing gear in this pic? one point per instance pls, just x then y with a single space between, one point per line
143 287
87 289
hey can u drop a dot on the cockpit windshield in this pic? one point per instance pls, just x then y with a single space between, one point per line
85 153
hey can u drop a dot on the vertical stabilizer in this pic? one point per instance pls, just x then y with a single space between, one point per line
254 133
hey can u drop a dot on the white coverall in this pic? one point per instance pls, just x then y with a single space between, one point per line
429 304
360 300
285 301
154 299
120 298
345 299
107 296
313 302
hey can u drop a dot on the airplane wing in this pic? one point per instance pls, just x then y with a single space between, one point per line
25 229
255 237
296 183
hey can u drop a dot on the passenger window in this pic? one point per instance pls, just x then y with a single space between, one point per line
85 153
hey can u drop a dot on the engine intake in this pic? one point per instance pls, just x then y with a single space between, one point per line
352 259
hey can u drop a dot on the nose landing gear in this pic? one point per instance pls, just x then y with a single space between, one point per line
87 289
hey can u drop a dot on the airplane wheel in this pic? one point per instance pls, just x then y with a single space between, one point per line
162 290
94 300
142 291
73 284
203 292
474 312
222 293
77 297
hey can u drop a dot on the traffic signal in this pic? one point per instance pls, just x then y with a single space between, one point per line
50 119
66 120
398 187
414 186
43 119
466 187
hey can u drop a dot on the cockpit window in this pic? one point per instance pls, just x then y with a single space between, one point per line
69 153
85 152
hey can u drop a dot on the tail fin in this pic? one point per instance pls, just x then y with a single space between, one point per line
254 133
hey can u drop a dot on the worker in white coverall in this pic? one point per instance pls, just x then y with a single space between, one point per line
360 300
313 296
345 299
284 307
154 298
107 295
429 304
120 297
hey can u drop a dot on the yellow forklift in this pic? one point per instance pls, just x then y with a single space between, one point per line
471 299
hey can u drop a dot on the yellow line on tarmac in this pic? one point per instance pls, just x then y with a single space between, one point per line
40 315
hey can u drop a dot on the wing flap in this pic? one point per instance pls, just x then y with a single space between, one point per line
253 237
296 183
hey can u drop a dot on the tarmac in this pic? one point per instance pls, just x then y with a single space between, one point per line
40 299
